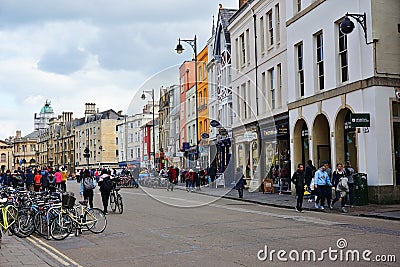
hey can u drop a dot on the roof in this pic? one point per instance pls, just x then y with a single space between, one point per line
240 11
32 135
224 15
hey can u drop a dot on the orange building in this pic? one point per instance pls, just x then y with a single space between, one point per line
203 126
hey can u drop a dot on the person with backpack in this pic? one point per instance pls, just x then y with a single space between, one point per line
349 174
106 185
88 184
52 182
339 183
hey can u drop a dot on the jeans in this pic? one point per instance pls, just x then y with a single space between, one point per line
344 199
320 195
351 193
240 191
88 195
105 195
171 186
300 195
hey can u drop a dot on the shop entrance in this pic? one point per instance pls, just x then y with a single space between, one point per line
321 144
345 139
301 143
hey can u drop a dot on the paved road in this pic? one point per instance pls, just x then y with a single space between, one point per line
160 228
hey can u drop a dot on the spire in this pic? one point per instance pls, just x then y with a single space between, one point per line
213 27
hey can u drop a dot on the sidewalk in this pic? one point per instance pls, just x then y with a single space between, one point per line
389 212
18 252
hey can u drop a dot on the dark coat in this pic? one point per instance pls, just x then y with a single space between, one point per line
240 181
29 178
298 179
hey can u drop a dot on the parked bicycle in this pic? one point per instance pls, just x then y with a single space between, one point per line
116 199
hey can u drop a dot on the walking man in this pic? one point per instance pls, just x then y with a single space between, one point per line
298 180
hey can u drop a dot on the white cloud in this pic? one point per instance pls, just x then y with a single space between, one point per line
101 51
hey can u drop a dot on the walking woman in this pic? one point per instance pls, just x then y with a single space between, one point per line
106 186
87 186
240 182
37 181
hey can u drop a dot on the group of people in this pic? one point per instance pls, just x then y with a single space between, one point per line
89 181
46 179
171 173
322 182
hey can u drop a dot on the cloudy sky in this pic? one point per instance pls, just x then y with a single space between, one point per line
72 52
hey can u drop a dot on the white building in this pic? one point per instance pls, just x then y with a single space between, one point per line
174 120
259 86
41 120
131 139
332 76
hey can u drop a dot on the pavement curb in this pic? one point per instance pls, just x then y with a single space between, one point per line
376 216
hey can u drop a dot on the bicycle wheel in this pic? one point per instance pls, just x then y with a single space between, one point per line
113 203
61 227
40 223
23 226
96 220
120 205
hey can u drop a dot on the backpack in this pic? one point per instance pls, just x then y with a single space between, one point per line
88 183
107 184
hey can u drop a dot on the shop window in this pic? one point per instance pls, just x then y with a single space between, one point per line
396 139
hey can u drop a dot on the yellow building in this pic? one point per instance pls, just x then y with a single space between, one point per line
203 126
6 155
25 150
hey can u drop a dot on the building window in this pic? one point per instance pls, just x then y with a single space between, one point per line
300 70
116 140
262 35
3 157
242 50
116 153
298 5
277 23
247 46
270 30
131 153
243 102
271 87
344 68
279 85
320 60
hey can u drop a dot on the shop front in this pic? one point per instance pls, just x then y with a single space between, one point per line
276 152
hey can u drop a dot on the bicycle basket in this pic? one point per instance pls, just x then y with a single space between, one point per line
68 201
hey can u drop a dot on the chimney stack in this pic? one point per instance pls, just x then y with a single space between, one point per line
18 134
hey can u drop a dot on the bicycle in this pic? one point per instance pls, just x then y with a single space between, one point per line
116 200
9 215
77 217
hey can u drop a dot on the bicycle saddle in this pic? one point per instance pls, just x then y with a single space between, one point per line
3 200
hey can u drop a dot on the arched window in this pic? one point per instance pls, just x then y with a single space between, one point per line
3 157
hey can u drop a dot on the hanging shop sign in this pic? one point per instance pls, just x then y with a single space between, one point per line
360 120
283 129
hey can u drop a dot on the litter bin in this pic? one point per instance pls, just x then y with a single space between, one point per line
360 189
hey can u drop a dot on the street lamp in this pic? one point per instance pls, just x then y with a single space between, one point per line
154 132
179 49
347 26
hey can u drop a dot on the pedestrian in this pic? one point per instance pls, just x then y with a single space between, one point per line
64 176
309 172
349 174
106 185
240 182
197 180
321 181
52 182
171 178
37 179
44 181
190 176
58 176
212 172
88 184
328 189
340 184
29 179
298 179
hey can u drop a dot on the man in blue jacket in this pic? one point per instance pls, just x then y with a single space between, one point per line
322 182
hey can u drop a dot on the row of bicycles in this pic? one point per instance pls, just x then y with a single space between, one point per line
126 181
154 182
48 214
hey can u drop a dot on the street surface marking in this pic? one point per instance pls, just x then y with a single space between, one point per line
57 258
291 217
55 250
